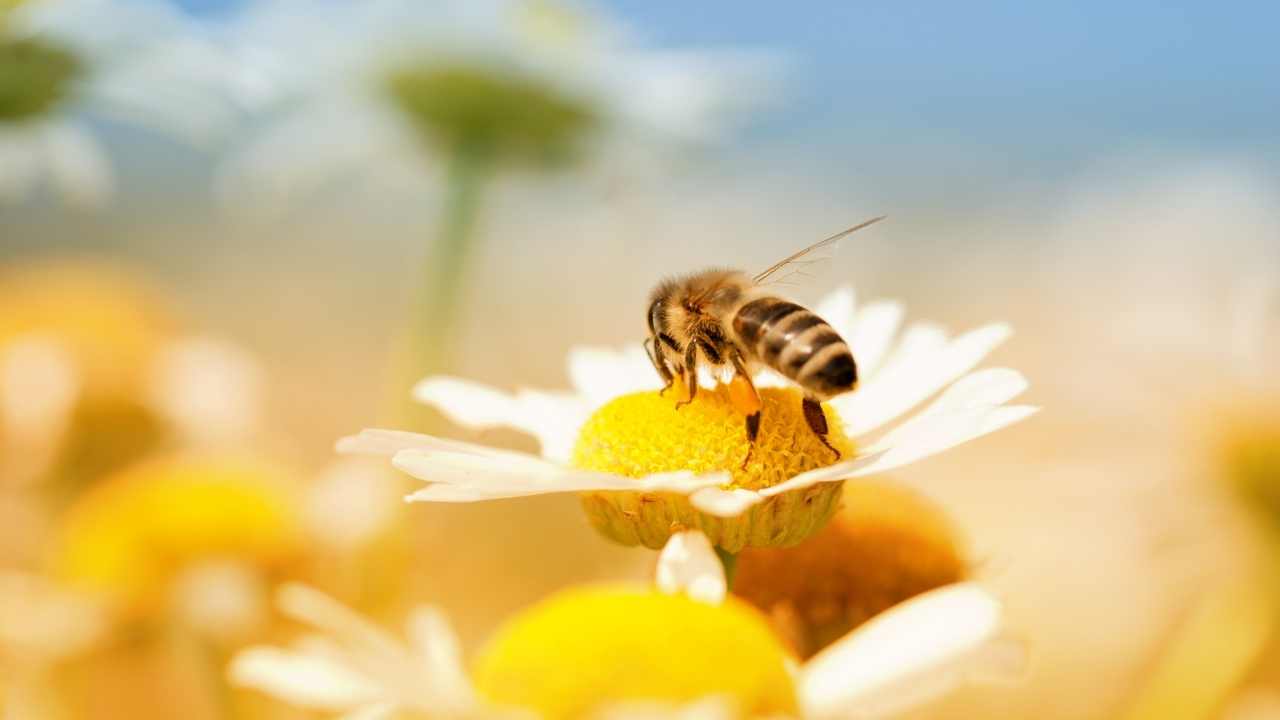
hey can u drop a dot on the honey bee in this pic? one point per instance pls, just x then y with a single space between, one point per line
731 322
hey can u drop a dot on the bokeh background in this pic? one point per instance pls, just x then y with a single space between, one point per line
1104 177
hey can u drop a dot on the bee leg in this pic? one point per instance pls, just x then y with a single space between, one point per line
690 374
743 395
817 422
659 364
753 431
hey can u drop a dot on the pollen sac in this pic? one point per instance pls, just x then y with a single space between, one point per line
645 433
34 77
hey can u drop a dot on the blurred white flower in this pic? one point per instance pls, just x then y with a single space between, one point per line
353 666
897 376
362 73
41 623
902 658
224 599
66 64
39 387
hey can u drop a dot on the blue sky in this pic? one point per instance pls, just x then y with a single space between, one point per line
1086 72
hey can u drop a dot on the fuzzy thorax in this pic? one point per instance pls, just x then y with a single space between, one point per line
644 433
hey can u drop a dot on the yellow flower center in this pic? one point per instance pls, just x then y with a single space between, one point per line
127 537
644 433
587 648
887 545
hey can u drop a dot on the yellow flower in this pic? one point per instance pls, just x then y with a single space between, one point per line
131 536
885 546
590 647
108 323
645 433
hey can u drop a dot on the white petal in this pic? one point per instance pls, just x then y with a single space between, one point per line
689 565
317 609
372 711
77 167
923 364
872 335
932 433
301 679
724 503
552 418
910 653
601 374
441 654
830 473
839 309
993 386
462 477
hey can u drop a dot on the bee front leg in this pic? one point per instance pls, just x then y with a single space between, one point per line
817 421
659 364
690 374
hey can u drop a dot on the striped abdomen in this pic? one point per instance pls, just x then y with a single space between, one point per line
798 344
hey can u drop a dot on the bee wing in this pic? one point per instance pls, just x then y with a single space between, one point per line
813 252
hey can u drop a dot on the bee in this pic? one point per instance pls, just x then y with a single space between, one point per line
730 321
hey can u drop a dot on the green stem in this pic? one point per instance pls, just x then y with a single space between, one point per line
730 562
431 338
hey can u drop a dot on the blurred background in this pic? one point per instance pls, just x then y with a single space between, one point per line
232 232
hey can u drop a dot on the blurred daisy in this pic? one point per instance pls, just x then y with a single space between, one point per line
622 651
886 545
65 63
196 538
352 666
643 466
41 625
93 375
477 85
903 656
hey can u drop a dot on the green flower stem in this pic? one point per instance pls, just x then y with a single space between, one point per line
431 338
730 562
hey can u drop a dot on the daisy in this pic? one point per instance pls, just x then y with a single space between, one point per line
687 651
66 63
350 665
901 658
643 467
373 85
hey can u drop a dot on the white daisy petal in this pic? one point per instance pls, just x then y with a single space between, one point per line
601 374
373 711
910 653
462 477
301 679
923 364
993 386
314 608
724 503
872 334
437 646
830 473
689 565
839 309
553 418
932 433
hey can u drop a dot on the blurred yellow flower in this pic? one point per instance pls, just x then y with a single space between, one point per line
885 546
132 537
107 321
644 433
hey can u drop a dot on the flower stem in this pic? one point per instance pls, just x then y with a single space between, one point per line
730 562
431 338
